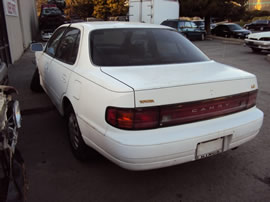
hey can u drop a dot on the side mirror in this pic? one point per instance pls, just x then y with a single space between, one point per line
36 47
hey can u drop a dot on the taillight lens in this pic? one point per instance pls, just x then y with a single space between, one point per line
133 119
252 96
163 116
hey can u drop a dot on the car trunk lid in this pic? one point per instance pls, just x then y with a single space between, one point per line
158 85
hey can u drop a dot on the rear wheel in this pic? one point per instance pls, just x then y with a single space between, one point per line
79 148
256 50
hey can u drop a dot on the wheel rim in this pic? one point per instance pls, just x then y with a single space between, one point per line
74 131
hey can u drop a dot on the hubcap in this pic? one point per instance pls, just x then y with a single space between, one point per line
74 131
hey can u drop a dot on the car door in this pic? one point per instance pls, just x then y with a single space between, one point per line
44 61
62 65
227 32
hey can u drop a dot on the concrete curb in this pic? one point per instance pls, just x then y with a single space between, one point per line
226 40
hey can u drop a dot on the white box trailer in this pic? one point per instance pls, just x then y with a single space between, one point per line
153 11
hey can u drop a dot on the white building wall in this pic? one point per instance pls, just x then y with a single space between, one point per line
15 37
28 17
21 29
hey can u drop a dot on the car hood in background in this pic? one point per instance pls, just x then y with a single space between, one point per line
259 35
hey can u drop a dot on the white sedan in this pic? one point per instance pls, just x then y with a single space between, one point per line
144 96
258 41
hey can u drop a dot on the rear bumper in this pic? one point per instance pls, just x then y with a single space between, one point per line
151 149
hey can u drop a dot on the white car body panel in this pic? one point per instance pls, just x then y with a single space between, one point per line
143 150
91 89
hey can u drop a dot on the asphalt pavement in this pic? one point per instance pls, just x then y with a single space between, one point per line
55 175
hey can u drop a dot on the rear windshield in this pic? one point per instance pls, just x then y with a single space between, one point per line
129 47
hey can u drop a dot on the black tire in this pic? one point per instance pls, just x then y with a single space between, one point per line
78 146
256 50
35 82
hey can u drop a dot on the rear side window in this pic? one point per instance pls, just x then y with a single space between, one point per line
68 47
129 47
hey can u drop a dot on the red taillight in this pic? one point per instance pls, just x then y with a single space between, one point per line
162 116
133 119
252 96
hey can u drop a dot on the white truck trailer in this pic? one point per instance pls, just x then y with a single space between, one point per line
153 11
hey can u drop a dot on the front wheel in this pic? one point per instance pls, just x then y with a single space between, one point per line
79 148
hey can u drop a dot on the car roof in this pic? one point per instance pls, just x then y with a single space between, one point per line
228 23
113 24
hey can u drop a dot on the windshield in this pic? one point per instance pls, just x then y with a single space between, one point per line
128 47
235 27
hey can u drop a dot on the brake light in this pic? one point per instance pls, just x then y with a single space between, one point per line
136 119
169 115
252 96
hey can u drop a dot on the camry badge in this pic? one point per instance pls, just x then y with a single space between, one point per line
146 101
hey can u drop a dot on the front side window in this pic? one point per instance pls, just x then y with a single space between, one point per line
129 47
54 41
68 47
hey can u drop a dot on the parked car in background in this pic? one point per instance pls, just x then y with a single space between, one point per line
261 25
188 28
50 18
201 24
144 96
230 30
258 41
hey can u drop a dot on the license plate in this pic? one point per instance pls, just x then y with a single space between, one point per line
209 148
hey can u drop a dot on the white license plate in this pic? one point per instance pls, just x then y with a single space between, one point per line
209 148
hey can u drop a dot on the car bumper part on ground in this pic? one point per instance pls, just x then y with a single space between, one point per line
150 149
